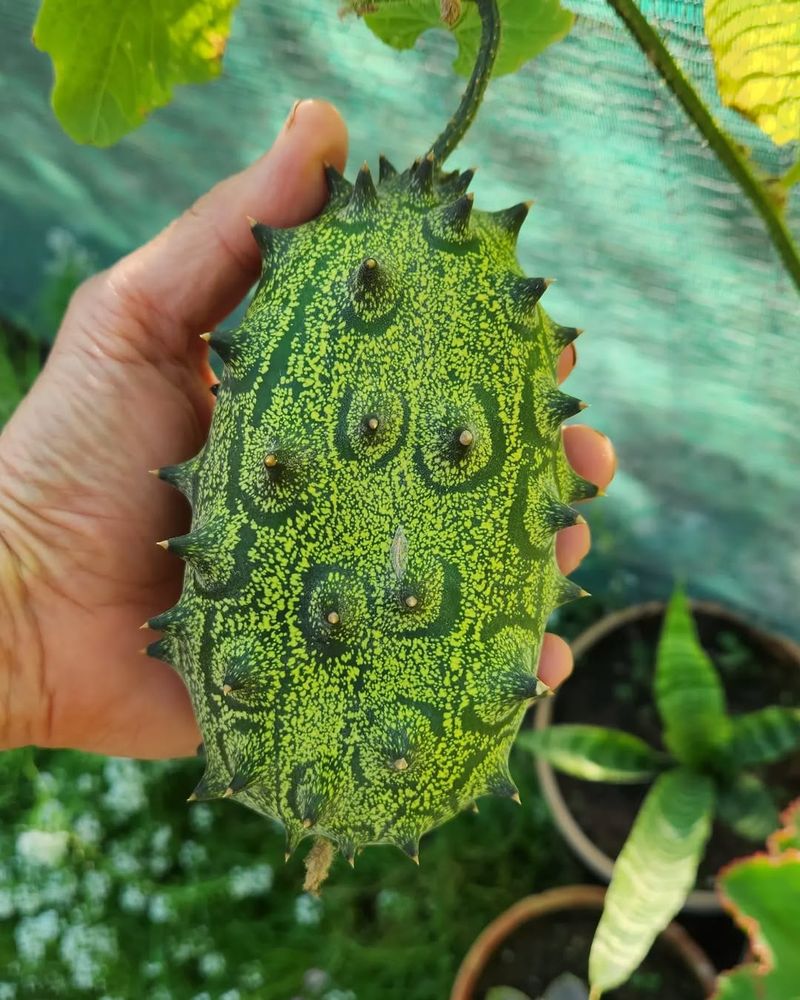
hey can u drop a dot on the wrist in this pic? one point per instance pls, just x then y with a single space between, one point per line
23 699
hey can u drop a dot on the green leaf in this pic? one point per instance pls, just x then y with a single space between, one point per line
746 806
688 690
506 993
594 753
655 871
764 736
756 48
528 27
117 60
763 895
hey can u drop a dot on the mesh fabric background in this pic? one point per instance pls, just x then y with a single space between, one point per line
691 359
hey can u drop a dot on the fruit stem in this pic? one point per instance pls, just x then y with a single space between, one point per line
487 52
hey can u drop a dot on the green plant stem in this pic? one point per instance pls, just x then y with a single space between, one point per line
792 176
738 164
487 53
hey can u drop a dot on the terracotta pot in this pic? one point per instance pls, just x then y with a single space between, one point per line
699 900
569 897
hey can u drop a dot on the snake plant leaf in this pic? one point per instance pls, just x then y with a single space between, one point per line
761 893
594 753
764 736
528 28
115 61
746 806
756 49
655 871
688 690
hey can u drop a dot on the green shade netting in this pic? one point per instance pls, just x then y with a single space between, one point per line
691 361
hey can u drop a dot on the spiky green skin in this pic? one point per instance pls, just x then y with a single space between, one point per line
436 555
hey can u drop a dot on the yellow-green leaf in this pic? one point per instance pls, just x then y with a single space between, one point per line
117 60
527 28
756 47
653 874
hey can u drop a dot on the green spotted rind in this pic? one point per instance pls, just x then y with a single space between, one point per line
371 560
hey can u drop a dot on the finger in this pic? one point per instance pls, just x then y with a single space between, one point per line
572 547
555 661
566 362
590 454
197 270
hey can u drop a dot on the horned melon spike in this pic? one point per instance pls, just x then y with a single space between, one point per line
364 197
386 170
451 223
340 190
371 560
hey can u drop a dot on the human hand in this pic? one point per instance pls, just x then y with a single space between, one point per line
125 389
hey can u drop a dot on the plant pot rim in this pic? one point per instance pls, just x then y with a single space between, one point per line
698 900
566 897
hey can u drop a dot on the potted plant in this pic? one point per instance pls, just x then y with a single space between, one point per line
706 769
540 948
762 894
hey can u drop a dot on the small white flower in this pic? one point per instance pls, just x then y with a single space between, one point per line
27 899
202 996
252 978
212 964
160 911
85 783
132 899
152 969
201 817
96 885
160 838
251 881
230 995
315 980
85 951
46 783
42 847
307 910
126 792
191 854
88 828
158 865
8 991
339 995
124 862
59 888
6 904
33 934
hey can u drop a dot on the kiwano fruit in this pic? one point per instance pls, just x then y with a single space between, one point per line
370 565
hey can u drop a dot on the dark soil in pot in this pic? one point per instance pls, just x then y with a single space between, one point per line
539 950
612 686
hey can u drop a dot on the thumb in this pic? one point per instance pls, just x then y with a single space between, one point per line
196 271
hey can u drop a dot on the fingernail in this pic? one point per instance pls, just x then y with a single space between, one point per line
290 118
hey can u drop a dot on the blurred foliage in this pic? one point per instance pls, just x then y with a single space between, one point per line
112 885
528 28
756 51
763 895
114 61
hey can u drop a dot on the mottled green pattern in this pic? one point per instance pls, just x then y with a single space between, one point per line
371 563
